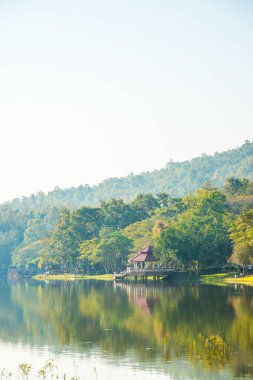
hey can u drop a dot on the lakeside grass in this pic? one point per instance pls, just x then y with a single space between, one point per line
218 279
73 277
223 279
215 279
247 280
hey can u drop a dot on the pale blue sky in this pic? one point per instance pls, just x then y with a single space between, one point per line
95 89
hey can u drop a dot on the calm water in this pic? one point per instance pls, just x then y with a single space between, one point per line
122 330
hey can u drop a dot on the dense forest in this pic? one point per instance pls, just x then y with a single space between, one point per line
208 228
176 178
206 222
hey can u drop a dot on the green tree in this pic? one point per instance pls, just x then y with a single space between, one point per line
117 214
242 238
38 226
12 227
197 235
235 186
242 229
144 204
73 228
242 255
163 199
111 252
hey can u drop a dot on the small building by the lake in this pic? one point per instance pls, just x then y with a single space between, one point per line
144 259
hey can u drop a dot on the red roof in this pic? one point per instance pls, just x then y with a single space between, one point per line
148 249
144 255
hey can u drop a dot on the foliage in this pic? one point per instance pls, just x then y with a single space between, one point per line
97 231
73 227
12 228
111 252
25 253
25 368
176 178
242 229
242 237
199 235
189 233
240 203
30 227
39 229
242 255
235 186
212 350
144 204
140 233
117 214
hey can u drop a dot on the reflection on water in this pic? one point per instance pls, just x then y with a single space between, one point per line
130 324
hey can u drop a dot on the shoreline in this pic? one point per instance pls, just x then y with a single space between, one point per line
73 277
218 279
224 279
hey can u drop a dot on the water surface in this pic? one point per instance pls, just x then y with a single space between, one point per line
136 331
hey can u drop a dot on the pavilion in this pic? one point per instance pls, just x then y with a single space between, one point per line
144 264
144 259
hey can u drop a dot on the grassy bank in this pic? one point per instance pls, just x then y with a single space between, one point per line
223 279
219 279
73 277
247 280
215 279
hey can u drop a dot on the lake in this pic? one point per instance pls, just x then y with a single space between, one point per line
106 331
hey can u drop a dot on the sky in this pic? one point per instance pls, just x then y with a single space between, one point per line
97 89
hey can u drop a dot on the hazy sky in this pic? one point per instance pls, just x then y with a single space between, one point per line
95 89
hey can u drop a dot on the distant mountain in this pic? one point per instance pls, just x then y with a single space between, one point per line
176 178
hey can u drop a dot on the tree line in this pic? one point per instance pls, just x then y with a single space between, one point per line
208 228
176 178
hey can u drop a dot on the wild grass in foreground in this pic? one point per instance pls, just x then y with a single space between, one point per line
212 351
48 371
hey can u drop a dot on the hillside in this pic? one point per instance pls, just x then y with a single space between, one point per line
92 239
176 178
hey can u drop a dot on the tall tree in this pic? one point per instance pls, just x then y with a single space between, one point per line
111 252
144 204
242 237
73 228
235 186
117 214
199 234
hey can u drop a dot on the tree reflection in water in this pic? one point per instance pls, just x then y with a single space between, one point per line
117 318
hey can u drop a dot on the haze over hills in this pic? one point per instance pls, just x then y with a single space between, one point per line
29 226
176 178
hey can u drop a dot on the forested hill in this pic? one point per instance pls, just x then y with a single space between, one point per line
176 178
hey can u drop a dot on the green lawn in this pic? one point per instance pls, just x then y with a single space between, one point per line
72 277
247 280
215 279
219 279
223 279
